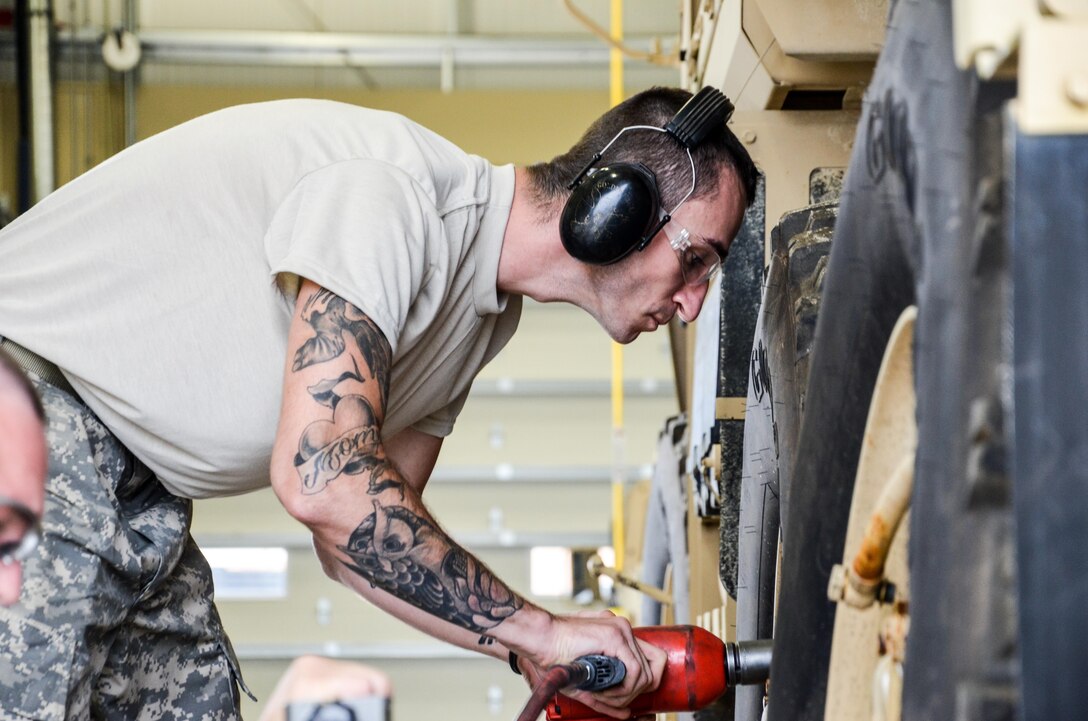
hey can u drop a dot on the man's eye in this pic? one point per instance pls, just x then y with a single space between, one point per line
693 261
12 527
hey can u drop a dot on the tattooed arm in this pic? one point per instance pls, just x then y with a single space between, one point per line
332 471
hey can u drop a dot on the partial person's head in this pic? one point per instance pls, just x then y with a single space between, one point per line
665 277
312 681
23 465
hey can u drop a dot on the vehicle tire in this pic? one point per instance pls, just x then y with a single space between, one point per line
920 222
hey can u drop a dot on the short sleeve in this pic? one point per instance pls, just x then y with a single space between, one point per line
441 422
358 228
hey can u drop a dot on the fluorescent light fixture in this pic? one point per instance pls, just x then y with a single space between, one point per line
248 574
550 572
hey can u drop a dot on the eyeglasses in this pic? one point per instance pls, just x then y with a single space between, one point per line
366 708
27 524
699 262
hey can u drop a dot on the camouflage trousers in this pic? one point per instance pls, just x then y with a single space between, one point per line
116 619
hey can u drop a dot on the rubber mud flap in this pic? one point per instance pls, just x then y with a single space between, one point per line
742 280
778 370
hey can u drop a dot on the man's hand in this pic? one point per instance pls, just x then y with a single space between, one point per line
605 633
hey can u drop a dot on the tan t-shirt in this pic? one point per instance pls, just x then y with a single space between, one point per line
150 280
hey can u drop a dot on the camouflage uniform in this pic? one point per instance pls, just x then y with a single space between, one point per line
116 618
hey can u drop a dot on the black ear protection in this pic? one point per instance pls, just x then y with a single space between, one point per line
615 209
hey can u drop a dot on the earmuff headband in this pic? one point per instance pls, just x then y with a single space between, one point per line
600 153
595 233
703 112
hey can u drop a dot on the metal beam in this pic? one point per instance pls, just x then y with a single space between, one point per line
323 49
509 473
572 388
358 652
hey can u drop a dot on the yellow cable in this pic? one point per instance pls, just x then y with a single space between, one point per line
618 530
655 57
615 55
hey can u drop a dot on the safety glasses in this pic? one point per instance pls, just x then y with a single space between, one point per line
699 262
20 531
366 708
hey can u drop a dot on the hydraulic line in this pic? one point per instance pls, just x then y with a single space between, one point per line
556 678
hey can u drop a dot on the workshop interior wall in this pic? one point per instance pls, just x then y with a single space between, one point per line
507 126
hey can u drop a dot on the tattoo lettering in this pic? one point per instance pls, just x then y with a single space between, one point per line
411 558
331 316
350 442
347 444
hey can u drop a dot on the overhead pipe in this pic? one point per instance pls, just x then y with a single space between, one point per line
39 34
129 24
332 49
34 35
23 199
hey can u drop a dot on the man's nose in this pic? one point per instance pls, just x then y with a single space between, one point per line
11 581
690 299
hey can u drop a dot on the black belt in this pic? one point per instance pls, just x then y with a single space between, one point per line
31 362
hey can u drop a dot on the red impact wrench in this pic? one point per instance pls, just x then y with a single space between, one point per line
699 668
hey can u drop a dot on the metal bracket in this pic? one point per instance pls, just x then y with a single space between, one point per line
730 409
1053 77
1066 8
987 32
705 477
1048 37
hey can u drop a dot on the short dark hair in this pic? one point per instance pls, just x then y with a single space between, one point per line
22 381
660 152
